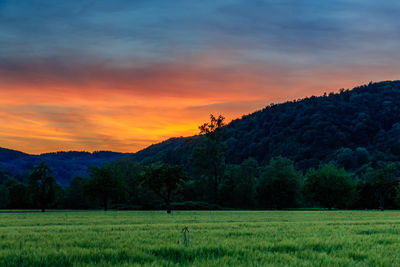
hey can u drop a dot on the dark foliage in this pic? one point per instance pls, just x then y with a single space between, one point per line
279 185
164 180
207 159
104 185
329 187
384 181
352 128
42 186
348 144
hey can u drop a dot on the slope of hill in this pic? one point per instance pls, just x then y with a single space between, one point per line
351 127
354 128
8 154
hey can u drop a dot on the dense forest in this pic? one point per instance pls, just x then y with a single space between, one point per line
339 150
353 128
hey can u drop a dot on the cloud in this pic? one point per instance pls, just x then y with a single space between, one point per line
121 75
196 77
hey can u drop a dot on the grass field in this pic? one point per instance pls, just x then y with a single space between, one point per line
216 238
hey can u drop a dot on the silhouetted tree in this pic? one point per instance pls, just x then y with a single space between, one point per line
4 197
18 194
397 196
4 176
208 160
279 184
42 185
130 173
329 186
104 185
164 180
384 181
75 194
239 184
365 196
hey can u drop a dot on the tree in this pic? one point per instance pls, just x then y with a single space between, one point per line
279 184
4 197
4 176
75 194
239 184
104 185
18 194
208 160
397 197
130 173
213 130
384 181
164 180
41 185
329 186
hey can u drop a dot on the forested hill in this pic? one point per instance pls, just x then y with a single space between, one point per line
352 128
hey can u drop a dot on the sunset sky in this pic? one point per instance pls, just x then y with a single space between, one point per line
121 75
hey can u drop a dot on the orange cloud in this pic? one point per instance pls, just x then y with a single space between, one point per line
48 106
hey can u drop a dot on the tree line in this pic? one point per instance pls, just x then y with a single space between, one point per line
357 129
208 182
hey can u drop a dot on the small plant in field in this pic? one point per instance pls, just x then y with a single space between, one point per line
20 254
185 233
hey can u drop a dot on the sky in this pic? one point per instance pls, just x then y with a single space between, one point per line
122 75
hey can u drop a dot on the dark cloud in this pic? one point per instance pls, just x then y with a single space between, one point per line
162 79
62 62
293 33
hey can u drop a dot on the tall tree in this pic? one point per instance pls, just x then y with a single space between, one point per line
104 185
208 158
329 186
238 188
18 194
279 184
384 180
42 185
4 197
130 173
75 194
164 180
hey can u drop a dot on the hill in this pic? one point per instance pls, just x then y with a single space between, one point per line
354 128
66 165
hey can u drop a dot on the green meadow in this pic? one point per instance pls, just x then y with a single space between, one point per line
215 238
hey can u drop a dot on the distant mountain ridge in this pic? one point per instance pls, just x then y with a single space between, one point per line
66 165
353 128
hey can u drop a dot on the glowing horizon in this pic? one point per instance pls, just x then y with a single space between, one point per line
122 76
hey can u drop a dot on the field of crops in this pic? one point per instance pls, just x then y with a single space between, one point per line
216 238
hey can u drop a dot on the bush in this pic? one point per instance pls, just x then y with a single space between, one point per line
194 205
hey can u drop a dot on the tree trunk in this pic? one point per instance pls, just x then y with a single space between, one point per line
216 195
168 207
382 203
105 203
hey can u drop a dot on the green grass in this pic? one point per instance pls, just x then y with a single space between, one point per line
217 238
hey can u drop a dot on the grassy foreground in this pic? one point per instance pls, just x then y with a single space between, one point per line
217 238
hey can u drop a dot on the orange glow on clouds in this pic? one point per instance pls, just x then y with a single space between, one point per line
128 109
